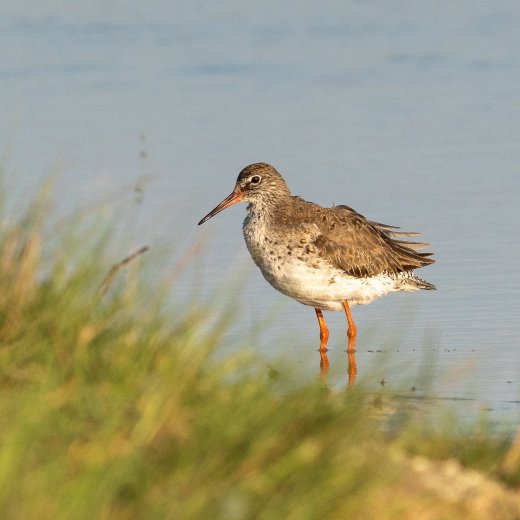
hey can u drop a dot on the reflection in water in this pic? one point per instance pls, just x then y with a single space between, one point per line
324 364
351 365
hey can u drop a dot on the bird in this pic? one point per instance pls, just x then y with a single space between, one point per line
329 258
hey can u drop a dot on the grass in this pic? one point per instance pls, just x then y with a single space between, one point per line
114 405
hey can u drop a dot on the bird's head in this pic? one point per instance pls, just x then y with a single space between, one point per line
258 183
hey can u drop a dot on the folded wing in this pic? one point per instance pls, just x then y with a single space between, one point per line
361 247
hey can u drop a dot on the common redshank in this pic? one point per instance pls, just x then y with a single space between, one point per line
327 258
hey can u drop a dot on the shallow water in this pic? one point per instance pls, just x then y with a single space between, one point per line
411 115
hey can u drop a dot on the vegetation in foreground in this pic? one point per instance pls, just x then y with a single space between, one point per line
114 405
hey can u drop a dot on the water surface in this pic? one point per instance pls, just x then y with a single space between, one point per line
408 113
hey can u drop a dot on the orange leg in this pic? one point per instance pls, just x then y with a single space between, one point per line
324 331
352 330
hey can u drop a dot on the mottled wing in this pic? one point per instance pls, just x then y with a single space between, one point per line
364 248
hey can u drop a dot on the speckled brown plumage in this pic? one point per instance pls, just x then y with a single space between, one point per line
339 234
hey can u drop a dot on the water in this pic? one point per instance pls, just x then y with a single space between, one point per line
408 113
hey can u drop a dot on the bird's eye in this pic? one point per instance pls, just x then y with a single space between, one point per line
255 179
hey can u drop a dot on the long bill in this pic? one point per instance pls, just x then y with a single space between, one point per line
232 198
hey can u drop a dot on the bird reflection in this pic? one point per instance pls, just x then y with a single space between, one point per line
351 365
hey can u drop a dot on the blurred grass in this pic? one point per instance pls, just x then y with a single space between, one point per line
115 406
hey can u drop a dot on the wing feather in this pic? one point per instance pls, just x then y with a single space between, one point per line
365 248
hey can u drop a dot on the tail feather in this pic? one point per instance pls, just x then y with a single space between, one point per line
414 245
411 279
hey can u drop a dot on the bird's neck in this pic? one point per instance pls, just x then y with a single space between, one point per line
265 208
